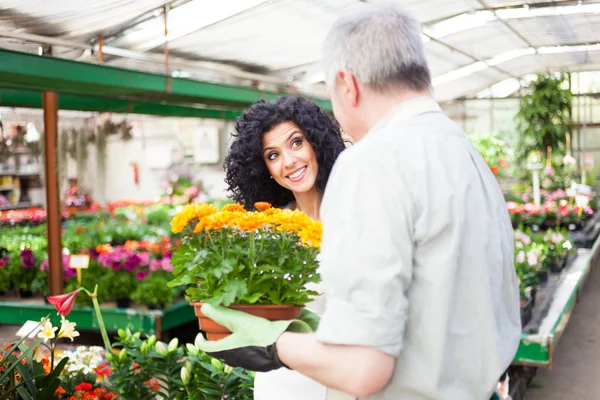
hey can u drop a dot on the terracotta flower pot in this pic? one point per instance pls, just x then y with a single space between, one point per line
272 312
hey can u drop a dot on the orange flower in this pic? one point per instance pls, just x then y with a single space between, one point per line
494 169
131 245
234 207
104 248
60 391
262 205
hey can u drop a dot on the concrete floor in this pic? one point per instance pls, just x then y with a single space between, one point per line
575 373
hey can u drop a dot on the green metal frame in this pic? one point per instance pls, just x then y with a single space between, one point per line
15 313
32 72
537 350
32 99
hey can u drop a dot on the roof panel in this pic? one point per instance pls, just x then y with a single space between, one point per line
73 18
559 30
431 10
492 39
276 35
441 59
467 85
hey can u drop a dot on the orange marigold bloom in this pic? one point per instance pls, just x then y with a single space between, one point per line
262 205
234 207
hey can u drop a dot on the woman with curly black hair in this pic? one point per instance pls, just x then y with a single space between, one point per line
283 153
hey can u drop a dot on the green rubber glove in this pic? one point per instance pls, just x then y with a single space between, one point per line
310 318
252 342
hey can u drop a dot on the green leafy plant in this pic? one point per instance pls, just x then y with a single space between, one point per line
234 256
25 373
494 151
148 369
119 284
543 119
154 289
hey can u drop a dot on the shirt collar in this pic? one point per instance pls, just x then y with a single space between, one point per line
409 108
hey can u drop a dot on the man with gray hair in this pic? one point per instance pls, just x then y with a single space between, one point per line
417 251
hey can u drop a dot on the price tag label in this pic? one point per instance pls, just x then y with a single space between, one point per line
79 261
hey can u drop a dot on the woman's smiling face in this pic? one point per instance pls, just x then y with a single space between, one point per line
290 158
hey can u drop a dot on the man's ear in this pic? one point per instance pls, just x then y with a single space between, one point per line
349 86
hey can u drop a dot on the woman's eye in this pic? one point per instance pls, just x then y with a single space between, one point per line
272 156
296 142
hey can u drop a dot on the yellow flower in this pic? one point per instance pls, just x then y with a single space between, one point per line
67 330
190 213
47 331
37 354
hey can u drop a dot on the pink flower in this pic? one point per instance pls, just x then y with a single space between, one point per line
549 171
556 238
521 257
155 265
144 258
532 258
141 275
64 302
526 240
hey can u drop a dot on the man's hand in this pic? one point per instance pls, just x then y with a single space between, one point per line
252 342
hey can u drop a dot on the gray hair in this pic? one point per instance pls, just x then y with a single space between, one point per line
380 45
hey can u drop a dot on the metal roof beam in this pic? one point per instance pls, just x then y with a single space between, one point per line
32 72
33 99
471 56
505 23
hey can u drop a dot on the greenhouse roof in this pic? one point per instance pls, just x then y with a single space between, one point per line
274 45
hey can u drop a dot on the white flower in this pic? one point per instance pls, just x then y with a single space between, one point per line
67 330
47 331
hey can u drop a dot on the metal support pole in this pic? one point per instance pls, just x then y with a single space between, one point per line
166 45
55 272
100 48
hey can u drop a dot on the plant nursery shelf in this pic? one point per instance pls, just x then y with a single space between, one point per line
536 349
20 206
151 321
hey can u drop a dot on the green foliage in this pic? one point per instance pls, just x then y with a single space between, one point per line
90 277
24 378
543 119
145 360
118 284
154 289
253 268
494 150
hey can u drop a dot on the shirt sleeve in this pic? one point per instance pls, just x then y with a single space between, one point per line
367 253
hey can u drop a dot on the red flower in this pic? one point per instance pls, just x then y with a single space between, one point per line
494 169
64 302
83 387
103 370
79 229
503 163
153 385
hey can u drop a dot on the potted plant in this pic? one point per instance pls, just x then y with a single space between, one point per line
119 285
259 262
22 271
153 291
4 275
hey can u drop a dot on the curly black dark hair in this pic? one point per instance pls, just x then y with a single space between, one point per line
246 173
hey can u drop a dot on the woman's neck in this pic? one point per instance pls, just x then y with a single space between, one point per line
309 203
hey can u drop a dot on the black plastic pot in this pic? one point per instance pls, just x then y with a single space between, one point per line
543 276
25 294
156 306
123 303
526 311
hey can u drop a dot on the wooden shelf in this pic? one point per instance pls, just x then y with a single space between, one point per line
20 206
19 173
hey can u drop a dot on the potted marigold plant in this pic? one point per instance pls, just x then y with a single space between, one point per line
258 262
